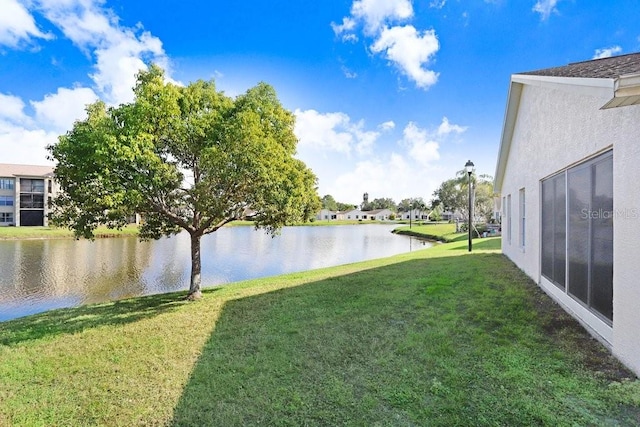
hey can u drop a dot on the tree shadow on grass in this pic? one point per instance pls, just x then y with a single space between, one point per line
77 319
421 342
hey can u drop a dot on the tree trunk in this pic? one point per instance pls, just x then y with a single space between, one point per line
196 269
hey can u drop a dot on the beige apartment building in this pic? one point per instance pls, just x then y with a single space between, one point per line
25 194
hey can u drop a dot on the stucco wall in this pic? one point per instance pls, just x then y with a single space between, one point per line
626 236
555 129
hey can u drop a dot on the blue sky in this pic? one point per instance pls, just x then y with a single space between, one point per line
391 96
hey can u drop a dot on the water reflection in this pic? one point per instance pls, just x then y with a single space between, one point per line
39 275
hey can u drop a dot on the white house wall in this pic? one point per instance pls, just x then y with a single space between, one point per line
555 129
626 236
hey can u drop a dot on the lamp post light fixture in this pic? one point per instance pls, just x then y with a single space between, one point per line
469 167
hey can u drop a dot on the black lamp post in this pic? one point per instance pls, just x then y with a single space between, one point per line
469 167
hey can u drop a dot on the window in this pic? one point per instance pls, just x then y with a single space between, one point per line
6 184
509 219
553 244
31 185
6 200
577 233
49 186
521 217
6 217
31 201
503 215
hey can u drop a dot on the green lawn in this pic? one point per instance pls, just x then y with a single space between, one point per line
445 232
130 230
436 337
60 233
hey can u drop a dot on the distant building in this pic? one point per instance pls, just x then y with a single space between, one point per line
377 214
350 214
326 214
414 214
25 194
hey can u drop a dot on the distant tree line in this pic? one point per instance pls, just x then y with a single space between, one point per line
451 196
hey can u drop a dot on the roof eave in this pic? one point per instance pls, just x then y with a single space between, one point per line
511 113
626 91
597 87
625 88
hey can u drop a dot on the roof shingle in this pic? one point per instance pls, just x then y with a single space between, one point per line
604 68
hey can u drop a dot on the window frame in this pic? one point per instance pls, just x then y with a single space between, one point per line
581 287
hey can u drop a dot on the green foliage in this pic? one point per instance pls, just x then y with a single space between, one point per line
381 203
184 158
436 213
453 195
410 204
328 202
345 206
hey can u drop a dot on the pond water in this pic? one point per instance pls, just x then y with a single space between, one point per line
40 275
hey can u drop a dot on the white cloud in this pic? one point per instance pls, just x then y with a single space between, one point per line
333 132
324 131
387 125
437 4
365 139
12 109
58 111
607 52
410 51
394 175
348 73
413 167
24 138
344 29
422 149
446 128
119 52
379 177
375 13
545 8
17 25
405 47
27 146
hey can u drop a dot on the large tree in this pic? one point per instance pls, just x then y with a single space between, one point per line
382 203
328 202
410 204
453 195
184 158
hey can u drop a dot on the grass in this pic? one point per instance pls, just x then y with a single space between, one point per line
10 233
321 222
445 232
436 337
61 233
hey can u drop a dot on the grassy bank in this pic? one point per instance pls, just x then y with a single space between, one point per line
9 233
435 337
444 232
